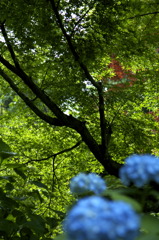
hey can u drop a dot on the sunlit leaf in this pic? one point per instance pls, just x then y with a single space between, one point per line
39 184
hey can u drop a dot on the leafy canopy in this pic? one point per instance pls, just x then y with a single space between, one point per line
62 112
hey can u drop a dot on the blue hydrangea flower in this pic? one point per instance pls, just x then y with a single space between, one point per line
95 218
83 183
140 170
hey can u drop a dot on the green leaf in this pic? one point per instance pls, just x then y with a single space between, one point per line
10 217
20 216
21 198
37 224
9 186
25 232
52 222
5 151
61 237
14 165
60 213
2 194
149 236
8 226
39 184
7 202
9 178
35 194
150 224
115 195
5 155
20 173
4 147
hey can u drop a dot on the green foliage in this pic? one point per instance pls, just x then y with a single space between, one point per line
98 29
19 213
139 199
5 151
34 181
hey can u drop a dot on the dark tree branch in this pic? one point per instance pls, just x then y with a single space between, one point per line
100 152
55 154
29 103
35 89
58 3
77 23
103 126
144 14
4 33
8 65
28 80
61 118
70 44
70 121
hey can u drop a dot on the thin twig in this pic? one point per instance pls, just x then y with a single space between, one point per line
77 23
144 14
55 154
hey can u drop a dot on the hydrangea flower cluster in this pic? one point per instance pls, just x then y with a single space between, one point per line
95 218
140 170
84 183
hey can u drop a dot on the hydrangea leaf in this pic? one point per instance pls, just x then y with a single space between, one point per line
118 196
150 224
148 237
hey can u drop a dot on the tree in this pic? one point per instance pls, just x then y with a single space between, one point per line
61 109
54 55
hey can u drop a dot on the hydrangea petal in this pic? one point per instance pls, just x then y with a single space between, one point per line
95 218
83 183
140 170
